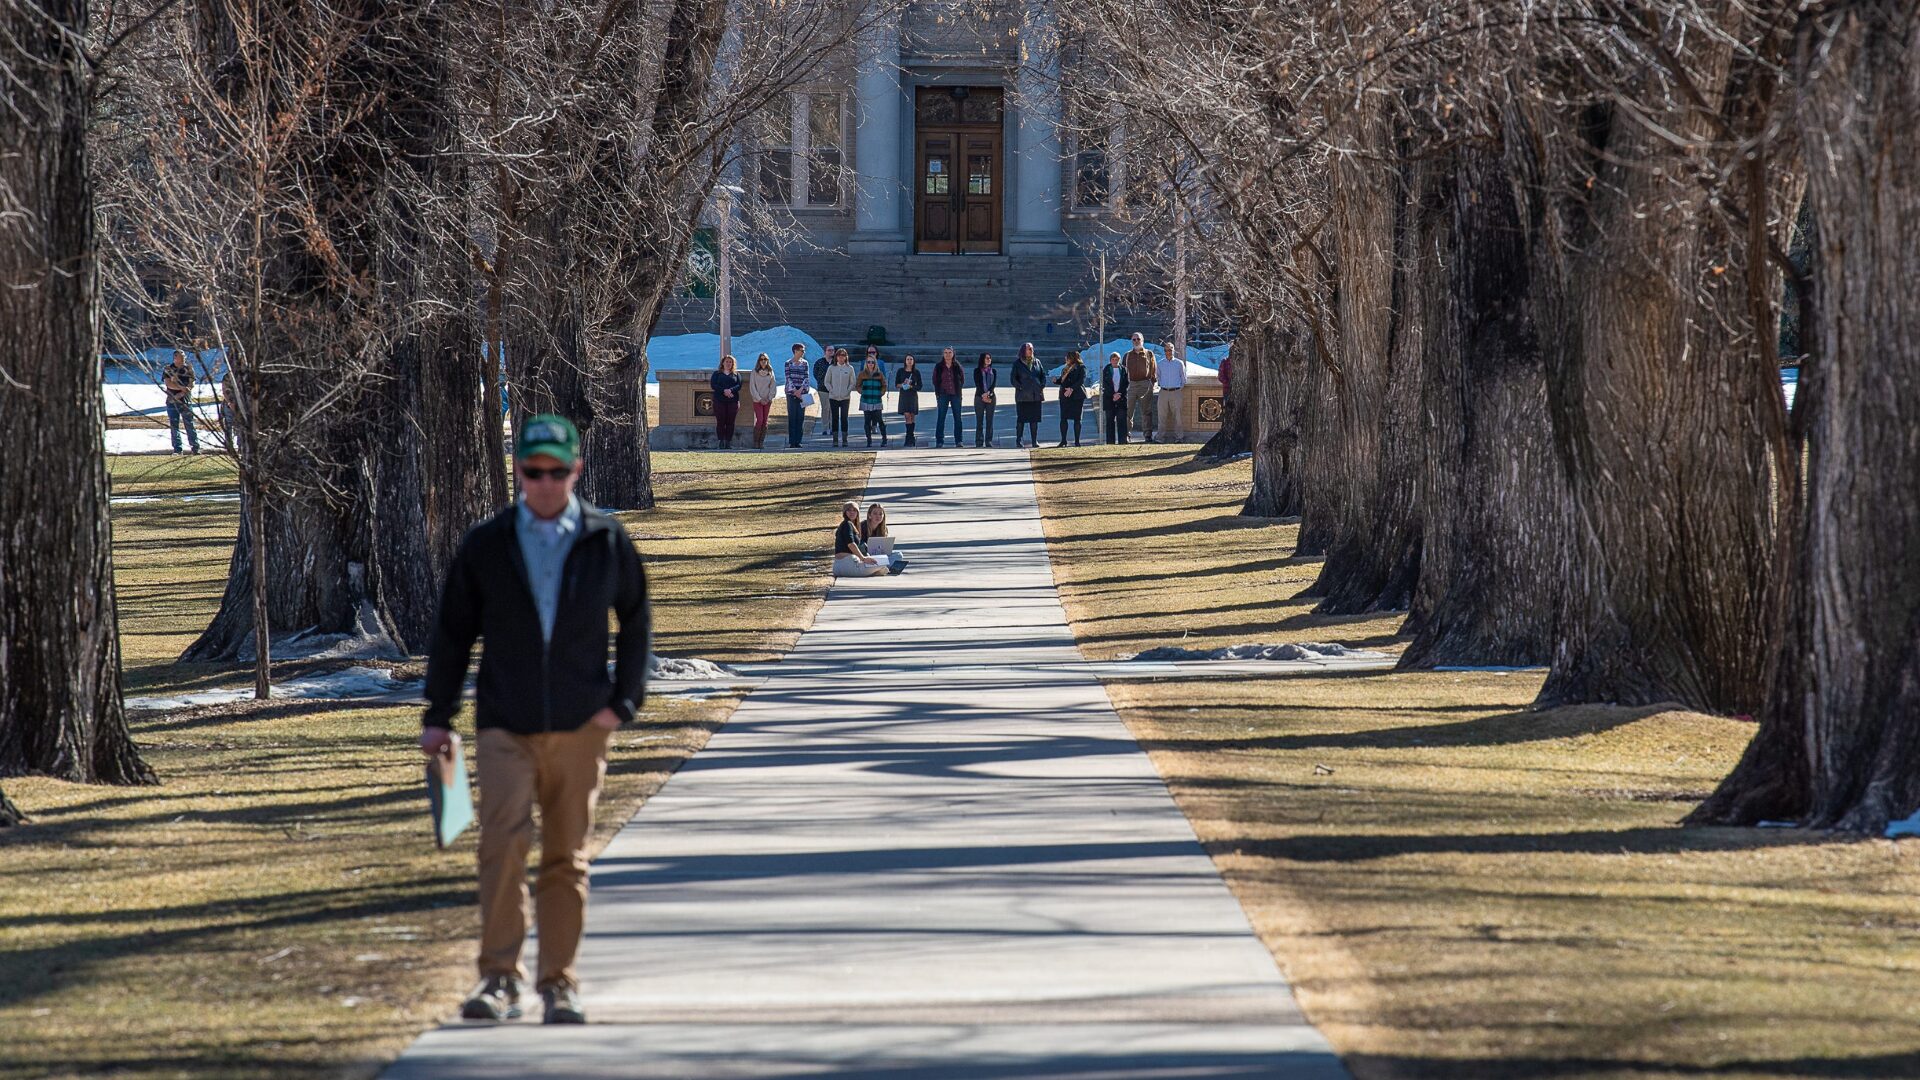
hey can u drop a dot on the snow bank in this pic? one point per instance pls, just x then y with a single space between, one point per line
1908 827
353 682
701 352
145 441
1199 361
687 668
1305 650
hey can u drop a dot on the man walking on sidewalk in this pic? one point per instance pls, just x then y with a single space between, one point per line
176 382
1140 381
536 581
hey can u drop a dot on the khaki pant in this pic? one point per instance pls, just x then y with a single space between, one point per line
1170 424
1140 408
561 771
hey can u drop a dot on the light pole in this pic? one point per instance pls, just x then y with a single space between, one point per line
1179 281
725 286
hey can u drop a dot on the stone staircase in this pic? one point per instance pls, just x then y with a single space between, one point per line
974 302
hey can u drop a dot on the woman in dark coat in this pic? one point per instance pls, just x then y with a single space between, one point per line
1072 382
726 400
907 383
984 380
1029 394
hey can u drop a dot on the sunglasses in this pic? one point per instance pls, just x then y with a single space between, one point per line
558 472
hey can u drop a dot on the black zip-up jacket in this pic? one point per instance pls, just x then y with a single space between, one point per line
527 685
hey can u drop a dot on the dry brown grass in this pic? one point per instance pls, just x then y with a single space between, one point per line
275 908
1461 888
1149 549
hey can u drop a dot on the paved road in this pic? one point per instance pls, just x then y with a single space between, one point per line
926 848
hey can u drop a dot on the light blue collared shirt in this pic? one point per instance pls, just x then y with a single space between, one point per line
544 546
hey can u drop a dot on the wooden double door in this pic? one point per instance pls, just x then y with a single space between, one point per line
957 180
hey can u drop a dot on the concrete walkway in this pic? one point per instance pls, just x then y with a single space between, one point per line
926 847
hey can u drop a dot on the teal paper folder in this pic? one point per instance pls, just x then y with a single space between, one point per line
448 796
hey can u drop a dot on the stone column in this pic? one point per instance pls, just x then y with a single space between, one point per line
878 188
1037 208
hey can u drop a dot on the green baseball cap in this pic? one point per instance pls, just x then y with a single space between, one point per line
549 434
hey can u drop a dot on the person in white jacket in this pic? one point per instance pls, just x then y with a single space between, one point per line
840 381
1171 372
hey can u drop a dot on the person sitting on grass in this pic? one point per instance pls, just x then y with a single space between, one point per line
850 558
876 526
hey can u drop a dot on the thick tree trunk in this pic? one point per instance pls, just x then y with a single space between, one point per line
308 582
368 508
619 473
1235 436
1663 446
670 189
61 712
1494 501
1373 557
1839 743
1270 369
9 813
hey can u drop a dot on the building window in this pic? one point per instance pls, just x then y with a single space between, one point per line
1099 166
825 149
800 144
1092 179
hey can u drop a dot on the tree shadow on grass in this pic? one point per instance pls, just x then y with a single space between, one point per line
1657 840
1502 729
1892 1066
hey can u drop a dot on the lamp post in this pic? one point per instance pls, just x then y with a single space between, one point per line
725 286
1179 281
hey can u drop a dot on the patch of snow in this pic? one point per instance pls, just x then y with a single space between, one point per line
1780 825
701 352
687 669
1199 361
353 682
1907 827
368 640
141 441
1304 650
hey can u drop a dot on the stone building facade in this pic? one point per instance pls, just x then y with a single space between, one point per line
929 190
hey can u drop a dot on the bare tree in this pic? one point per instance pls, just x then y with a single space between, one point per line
60 706
285 167
605 128
1837 741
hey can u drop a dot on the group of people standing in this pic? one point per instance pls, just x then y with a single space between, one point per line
1128 387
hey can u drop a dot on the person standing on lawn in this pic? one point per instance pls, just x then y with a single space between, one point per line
176 382
796 388
1072 381
535 582
1113 397
1029 395
1141 370
949 380
726 400
1171 374
907 383
760 386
